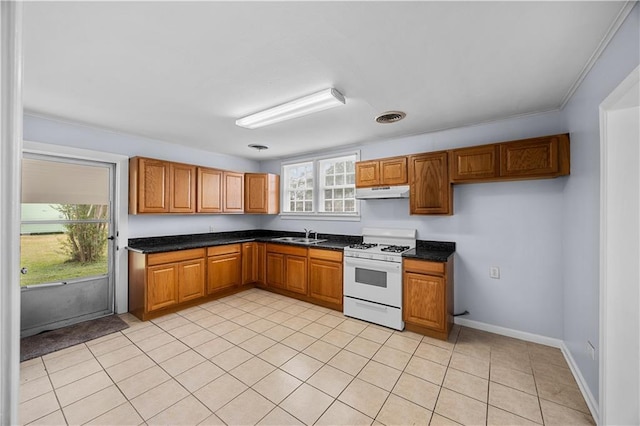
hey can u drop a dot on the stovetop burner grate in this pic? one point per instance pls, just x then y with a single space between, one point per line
362 246
394 249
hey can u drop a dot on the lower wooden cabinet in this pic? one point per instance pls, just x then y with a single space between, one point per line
249 263
287 268
428 297
160 283
163 280
261 264
224 267
191 280
325 276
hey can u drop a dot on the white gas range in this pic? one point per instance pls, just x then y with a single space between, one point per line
373 276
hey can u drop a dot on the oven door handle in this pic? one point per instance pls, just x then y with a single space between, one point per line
371 264
372 306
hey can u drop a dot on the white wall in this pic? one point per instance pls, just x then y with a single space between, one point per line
581 197
40 129
514 225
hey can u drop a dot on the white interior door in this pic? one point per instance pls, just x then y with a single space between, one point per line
67 234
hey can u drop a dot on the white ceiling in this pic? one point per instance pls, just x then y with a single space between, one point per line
184 72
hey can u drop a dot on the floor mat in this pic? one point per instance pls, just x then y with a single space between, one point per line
54 340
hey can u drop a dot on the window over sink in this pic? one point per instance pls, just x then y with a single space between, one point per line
320 187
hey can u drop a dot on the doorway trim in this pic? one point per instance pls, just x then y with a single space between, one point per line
619 257
121 207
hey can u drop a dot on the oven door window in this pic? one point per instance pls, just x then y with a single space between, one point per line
371 277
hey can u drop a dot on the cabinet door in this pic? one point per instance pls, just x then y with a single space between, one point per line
535 157
474 164
249 263
191 280
430 187
393 171
424 300
325 280
275 270
261 263
223 272
367 173
209 190
162 286
153 186
233 192
182 195
296 274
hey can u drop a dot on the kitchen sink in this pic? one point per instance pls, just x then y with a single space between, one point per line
299 240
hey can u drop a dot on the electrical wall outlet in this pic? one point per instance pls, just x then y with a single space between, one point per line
591 350
494 272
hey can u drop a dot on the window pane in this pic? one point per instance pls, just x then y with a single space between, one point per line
351 179
351 166
340 167
328 194
308 206
349 205
338 193
328 206
338 205
340 180
328 181
349 193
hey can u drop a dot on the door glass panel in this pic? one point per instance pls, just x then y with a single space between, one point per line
65 221
371 277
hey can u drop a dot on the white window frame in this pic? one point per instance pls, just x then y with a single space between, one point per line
317 187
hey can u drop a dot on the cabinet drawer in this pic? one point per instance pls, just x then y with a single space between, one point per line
285 249
333 255
174 256
424 266
226 249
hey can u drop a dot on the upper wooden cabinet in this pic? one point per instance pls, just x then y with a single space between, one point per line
233 194
474 163
148 186
381 172
182 188
532 158
209 190
544 157
157 186
220 191
261 193
431 191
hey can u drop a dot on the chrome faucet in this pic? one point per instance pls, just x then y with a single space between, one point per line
307 232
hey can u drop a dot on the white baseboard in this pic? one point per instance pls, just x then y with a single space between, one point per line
543 340
582 384
522 335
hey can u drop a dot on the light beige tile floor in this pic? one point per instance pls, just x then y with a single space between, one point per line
260 358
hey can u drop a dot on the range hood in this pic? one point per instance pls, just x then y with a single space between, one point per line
382 192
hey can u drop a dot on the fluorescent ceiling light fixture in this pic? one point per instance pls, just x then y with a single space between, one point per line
319 101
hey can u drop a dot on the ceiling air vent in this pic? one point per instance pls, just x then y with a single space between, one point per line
390 117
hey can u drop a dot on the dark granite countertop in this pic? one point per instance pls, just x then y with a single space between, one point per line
434 251
183 242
